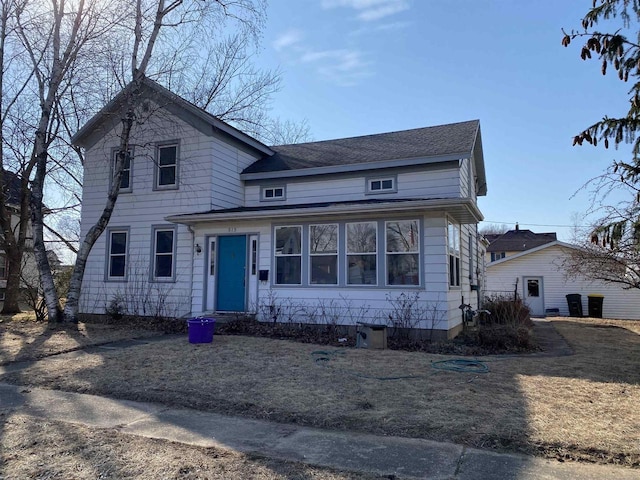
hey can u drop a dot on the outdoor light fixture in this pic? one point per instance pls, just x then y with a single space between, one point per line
198 248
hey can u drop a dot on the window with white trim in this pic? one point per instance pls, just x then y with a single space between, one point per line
166 175
453 242
125 180
381 184
362 252
497 256
323 254
273 193
117 254
164 253
288 254
3 266
403 252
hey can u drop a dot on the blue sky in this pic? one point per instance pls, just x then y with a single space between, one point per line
357 67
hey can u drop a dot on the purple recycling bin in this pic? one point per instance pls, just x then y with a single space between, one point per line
201 329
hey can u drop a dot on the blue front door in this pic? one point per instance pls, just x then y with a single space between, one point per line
232 257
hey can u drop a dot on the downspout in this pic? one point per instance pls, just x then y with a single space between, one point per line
193 269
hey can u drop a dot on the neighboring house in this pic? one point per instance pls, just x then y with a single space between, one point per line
211 220
12 185
539 278
515 241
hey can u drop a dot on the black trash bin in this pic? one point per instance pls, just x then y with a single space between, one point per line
595 305
574 300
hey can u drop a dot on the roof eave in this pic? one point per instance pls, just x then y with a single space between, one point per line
533 250
81 136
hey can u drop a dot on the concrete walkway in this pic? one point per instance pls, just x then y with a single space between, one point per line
383 455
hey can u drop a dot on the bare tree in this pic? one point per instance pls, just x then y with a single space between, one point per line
494 229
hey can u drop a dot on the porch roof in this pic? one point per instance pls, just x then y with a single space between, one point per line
462 209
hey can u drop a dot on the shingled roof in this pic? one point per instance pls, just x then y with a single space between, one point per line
518 240
442 140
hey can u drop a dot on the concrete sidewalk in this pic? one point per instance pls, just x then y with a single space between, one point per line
402 457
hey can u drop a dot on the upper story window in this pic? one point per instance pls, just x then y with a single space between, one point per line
273 193
126 179
382 185
118 240
497 256
166 174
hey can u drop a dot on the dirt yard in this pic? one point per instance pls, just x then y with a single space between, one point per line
578 407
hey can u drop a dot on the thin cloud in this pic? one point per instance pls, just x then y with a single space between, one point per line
369 10
343 67
287 39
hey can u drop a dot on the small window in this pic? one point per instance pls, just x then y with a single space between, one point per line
362 247
273 193
254 256
163 254
379 185
117 254
288 253
497 256
167 166
533 288
3 266
212 257
453 241
126 180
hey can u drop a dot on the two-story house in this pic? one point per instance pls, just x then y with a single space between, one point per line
211 220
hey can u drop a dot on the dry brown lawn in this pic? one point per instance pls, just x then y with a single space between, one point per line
32 448
580 407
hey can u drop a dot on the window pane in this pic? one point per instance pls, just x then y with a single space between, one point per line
403 236
164 241
212 258
288 270
403 269
168 155
163 266
268 193
288 240
376 185
387 184
124 181
362 270
278 192
323 238
533 288
117 266
167 176
324 269
118 243
361 237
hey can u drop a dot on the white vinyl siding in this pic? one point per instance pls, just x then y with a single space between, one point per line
421 183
